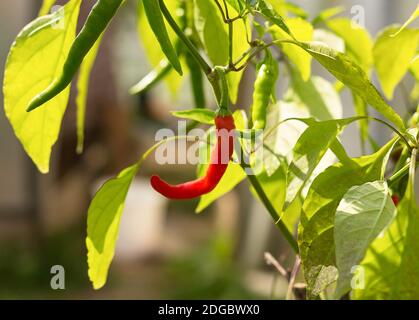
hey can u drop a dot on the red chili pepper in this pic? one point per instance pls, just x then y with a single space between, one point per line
395 199
220 157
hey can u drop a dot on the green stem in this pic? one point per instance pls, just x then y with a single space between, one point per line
194 52
218 82
275 216
399 174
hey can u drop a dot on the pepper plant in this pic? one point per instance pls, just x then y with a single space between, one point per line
357 217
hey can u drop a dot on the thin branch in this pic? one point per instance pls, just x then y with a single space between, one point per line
271 261
293 276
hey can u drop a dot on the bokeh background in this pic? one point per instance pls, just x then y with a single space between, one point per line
165 250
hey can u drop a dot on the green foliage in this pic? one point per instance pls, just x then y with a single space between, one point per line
363 213
342 208
316 229
201 115
390 264
155 19
103 220
82 91
392 65
302 31
350 74
40 50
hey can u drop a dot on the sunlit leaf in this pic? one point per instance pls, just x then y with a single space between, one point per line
391 64
363 213
412 18
200 115
302 31
316 228
103 220
40 51
82 91
358 43
390 264
327 14
232 177
352 75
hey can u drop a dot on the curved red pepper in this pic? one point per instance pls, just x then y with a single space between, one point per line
220 157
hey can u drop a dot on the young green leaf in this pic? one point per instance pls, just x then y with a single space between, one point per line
326 14
302 31
318 96
232 177
414 67
391 260
267 10
82 90
103 220
412 18
46 7
309 150
315 232
358 42
156 21
200 115
391 64
36 58
352 75
363 213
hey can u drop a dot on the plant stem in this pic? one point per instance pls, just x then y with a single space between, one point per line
399 174
268 205
194 52
219 91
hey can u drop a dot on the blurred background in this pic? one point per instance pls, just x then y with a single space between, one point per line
165 250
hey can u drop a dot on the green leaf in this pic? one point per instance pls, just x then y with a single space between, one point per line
152 48
104 216
40 51
414 67
156 21
358 42
329 39
326 14
352 75
390 264
363 213
309 150
315 233
232 177
201 115
391 64
82 90
210 26
318 96
302 31
103 220
46 7
267 10
412 18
